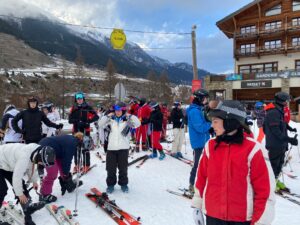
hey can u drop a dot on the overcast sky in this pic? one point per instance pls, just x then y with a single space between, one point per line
214 50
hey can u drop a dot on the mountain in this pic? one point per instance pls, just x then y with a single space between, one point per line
51 37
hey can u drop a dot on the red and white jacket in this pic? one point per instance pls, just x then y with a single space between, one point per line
235 182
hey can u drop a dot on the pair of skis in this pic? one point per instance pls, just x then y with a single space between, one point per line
11 214
182 159
181 192
142 159
292 197
110 208
99 156
62 215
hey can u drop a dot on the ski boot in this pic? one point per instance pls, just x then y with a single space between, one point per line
110 189
162 155
125 188
191 189
179 155
29 208
4 223
137 148
47 198
144 147
280 187
85 169
153 155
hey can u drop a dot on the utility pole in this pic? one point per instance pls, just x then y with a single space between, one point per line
195 68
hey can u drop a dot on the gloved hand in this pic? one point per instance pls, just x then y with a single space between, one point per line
294 130
59 126
293 141
198 217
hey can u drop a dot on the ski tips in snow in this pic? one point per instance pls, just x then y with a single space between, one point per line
62 215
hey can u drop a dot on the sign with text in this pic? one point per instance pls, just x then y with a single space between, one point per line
256 84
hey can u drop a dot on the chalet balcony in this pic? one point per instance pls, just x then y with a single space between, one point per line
246 52
245 35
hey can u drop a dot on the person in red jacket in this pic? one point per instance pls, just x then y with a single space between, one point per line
235 184
141 132
166 115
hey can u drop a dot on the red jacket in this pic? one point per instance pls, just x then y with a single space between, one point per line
287 114
134 109
144 113
236 182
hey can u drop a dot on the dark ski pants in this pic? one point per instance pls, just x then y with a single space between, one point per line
197 153
214 221
277 157
85 158
7 175
117 159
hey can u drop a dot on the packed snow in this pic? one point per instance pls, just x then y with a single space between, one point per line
148 197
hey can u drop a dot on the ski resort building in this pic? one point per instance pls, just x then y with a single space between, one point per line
266 49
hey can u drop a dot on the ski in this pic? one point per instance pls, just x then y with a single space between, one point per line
290 175
182 159
184 194
60 219
84 173
291 194
289 198
11 213
126 216
137 159
142 162
67 214
100 157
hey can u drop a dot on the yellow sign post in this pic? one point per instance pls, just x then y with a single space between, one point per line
118 39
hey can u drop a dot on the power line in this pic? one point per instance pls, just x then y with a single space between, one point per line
101 28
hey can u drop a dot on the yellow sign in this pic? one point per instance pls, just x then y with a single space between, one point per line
118 39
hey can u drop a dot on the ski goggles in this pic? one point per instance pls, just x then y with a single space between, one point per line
79 96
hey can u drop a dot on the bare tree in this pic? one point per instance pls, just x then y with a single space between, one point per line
152 85
80 73
184 93
165 91
110 80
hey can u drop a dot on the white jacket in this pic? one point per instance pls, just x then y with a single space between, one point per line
16 158
51 131
10 134
116 141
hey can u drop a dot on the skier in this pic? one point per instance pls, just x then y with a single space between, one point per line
199 128
155 123
81 116
275 129
10 136
260 114
166 115
118 145
235 184
48 109
65 147
16 160
32 119
177 118
141 132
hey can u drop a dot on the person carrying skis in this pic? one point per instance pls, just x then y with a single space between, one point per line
118 145
48 109
277 140
81 116
141 132
16 160
235 184
177 119
199 127
10 136
155 123
65 147
32 119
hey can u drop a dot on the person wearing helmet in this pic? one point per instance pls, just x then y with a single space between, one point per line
65 147
48 109
81 116
32 119
10 136
277 140
141 132
199 127
118 145
155 125
234 173
17 160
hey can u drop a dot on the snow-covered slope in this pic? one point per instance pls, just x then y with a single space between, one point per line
148 197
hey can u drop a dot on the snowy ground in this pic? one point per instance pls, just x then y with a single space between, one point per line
148 197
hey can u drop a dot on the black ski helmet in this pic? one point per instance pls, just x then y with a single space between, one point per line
199 96
282 97
233 114
44 154
142 101
47 105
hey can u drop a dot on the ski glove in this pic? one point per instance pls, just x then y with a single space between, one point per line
59 126
294 130
125 131
293 141
198 217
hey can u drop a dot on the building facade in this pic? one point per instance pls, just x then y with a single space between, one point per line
266 49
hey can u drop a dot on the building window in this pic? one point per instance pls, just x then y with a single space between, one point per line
296 41
248 29
273 25
274 11
297 64
296 22
260 68
296 5
247 48
273 44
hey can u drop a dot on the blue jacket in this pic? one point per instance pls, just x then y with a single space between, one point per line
65 147
198 126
